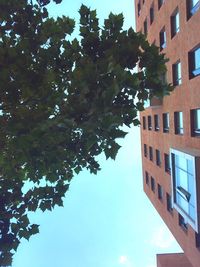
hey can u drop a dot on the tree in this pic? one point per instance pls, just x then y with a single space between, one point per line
62 103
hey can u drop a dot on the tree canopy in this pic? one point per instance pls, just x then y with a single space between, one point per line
62 103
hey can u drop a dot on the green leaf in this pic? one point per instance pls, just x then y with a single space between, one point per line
112 152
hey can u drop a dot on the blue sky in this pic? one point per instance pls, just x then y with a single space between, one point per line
107 221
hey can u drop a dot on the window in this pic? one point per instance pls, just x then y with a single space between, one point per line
169 202
145 27
178 122
195 122
153 185
192 7
167 163
158 158
151 14
176 72
182 222
160 192
194 62
184 186
149 123
156 123
147 178
162 39
145 150
175 23
144 122
160 2
165 122
151 153
139 8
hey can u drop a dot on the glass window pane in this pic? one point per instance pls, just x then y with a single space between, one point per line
198 119
181 162
197 58
177 22
181 178
182 202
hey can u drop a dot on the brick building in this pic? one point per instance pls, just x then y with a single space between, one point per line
170 129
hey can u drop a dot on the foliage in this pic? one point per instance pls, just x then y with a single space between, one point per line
62 103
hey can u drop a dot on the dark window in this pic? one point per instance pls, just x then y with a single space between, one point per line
162 39
169 202
144 122
192 7
139 8
195 122
194 62
178 122
160 2
149 123
153 185
145 150
160 192
175 23
182 222
151 153
147 178
156 122
165 122
151 14
176 72
145 27
167 163
158 157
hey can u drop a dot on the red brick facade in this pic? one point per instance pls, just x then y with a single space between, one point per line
172 260
181 46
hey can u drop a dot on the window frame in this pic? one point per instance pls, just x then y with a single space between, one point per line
138 8
195 118
151 14
160 192
185 155
175 27
145 151
145 27
151 153
149 122
144 122
146 177
156 122
169 202
158 158
193 71
167 163
153 184
178 123
192 8
177 73
163 39
166 122
160 3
